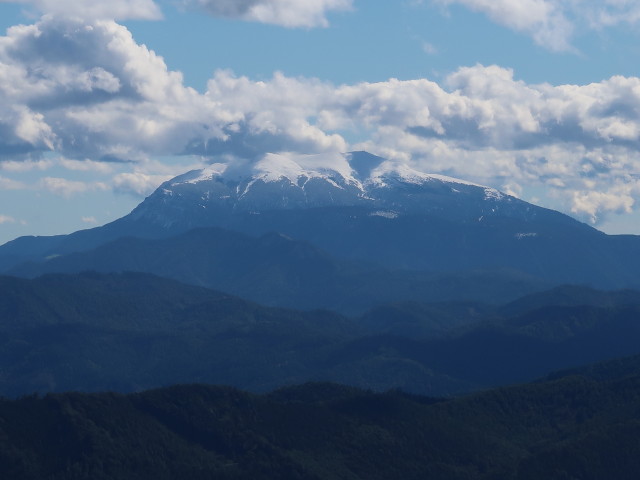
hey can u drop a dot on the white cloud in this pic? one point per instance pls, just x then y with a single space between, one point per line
85 165
6 219
137 183
9 184
68 188
287 13
26 165
93 9
553 23
90 220
429 48
87 90
594 204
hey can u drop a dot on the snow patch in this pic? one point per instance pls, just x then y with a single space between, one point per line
492 194
520 236
384 214
205 175
389 169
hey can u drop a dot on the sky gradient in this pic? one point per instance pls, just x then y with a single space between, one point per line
102 101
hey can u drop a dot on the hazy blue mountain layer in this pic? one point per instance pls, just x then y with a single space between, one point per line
278 271
129 332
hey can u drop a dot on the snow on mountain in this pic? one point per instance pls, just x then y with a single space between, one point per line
362 207
280 181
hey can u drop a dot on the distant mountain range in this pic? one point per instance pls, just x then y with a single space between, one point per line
276 270
127 332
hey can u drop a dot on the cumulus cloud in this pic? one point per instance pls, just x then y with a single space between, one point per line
287 13
91 9
477 107
89 220
88 92
6 219
552 23
86 89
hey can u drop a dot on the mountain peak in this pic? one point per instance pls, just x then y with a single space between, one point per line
321 179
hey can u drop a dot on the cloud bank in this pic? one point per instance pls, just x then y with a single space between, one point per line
86 90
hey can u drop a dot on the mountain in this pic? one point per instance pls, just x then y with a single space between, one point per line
569 427
570 296
362 207
367 208
132 331
279 271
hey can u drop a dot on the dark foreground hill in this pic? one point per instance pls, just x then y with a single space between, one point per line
130 332
572 427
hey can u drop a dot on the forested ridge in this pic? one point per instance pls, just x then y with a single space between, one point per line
585 425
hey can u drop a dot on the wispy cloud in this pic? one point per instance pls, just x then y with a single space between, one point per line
286 13
553 23
429 48
10 184
68 188
90 9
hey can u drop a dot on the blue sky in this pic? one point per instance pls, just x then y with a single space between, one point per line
101 102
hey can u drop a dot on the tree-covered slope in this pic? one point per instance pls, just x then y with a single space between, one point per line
132 331
570 427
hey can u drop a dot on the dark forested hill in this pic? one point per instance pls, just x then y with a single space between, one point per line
132 331
570 427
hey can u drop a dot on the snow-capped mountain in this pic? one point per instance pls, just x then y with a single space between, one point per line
365 208
358 179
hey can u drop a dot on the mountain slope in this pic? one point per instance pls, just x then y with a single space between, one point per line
278 271
388 214
572 427
128 332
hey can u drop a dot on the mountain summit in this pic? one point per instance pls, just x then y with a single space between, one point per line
357 179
